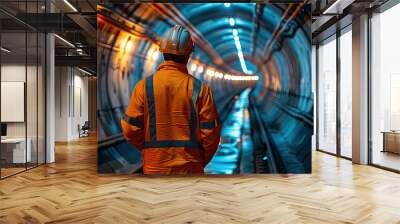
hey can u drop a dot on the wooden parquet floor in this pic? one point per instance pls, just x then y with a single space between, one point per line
70 191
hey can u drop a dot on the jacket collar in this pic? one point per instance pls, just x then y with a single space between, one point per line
168 65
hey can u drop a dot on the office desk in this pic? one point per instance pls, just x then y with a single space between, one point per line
13 150
391 141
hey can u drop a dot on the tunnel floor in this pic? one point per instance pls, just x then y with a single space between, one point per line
235 151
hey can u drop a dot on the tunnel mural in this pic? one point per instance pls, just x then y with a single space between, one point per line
256 58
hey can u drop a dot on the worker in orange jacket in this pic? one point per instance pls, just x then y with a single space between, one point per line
172 117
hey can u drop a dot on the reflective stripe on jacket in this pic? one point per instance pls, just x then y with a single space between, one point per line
173 120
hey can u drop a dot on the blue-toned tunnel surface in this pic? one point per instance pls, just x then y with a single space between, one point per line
235 142
255 58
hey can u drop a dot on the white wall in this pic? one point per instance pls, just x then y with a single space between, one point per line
13 73
81 85
71 102
61 103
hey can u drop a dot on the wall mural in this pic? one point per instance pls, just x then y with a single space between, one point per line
255 58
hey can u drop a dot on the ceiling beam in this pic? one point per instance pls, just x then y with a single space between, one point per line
84 24
81 61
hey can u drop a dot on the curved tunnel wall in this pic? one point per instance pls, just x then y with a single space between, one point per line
276 45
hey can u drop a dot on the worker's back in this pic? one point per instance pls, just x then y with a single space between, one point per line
173 89
172 117
174 137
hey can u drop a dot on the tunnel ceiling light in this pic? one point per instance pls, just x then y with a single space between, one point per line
227 4
128 46
152 54
156 55
193 68
65 41
70 5
210 73
240 52
232 21
219 75
235 32
200 69
5 50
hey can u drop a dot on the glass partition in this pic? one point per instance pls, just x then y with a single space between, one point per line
22 89
31 98
14 153
41 86
327 96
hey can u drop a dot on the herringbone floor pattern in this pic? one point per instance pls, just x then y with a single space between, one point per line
70 191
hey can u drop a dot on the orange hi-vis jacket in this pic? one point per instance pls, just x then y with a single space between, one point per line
173 120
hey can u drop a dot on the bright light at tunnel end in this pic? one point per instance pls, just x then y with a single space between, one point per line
212 73
227 4
241 77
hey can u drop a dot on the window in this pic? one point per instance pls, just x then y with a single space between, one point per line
385 89
346 94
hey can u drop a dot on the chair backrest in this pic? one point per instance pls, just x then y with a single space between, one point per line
86 125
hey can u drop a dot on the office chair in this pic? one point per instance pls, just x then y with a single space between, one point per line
84 130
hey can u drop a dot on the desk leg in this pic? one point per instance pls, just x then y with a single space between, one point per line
384 143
